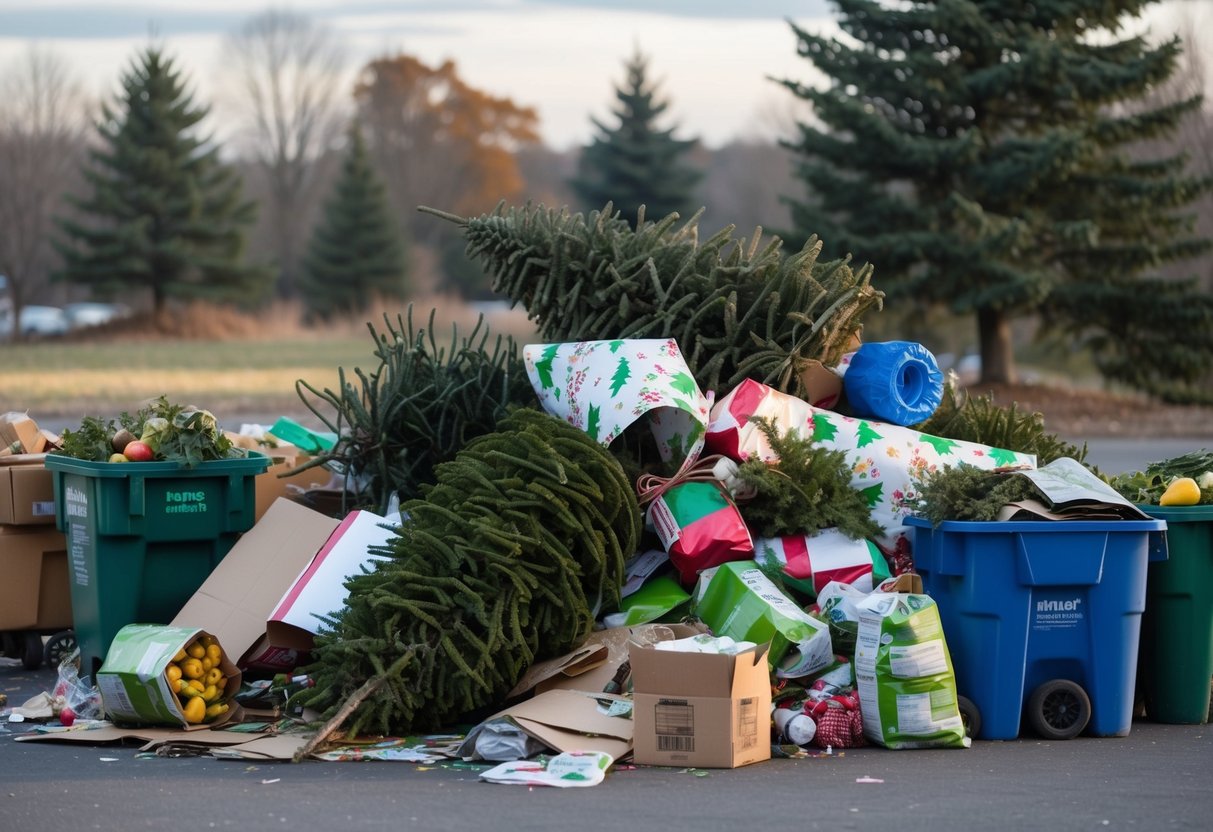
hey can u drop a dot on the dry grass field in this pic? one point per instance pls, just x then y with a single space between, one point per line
216 358
238 364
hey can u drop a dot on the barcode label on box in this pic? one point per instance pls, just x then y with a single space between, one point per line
674 723
747 721
666 743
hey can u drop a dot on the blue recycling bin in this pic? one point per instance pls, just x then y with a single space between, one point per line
1042 618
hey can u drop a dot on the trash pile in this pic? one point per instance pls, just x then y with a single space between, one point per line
701 525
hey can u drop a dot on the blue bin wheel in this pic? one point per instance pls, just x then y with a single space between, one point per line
1059 709
59 647
970 716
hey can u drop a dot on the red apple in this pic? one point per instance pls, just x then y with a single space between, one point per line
67 716
137 451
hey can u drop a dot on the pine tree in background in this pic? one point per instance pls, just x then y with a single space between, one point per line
164 213
979 153
635 163
356 254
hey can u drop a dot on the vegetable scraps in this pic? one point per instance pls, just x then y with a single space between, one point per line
160 431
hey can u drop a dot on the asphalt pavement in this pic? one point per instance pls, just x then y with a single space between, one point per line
1156 778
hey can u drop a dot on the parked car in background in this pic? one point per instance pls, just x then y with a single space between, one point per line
80 315
35 320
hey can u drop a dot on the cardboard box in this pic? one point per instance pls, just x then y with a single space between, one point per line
237 598
271 484
700 709
18 429
27 491
134 687
319 589
35 593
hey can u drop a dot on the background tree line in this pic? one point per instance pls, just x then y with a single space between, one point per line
312 195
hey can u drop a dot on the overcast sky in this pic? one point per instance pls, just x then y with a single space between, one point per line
712 58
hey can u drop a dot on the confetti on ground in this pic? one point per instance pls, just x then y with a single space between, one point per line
275 780
868 780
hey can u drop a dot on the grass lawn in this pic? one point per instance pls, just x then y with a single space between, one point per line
230 376
106 378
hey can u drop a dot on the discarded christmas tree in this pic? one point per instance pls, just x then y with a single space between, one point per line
737 309
415 409
515 549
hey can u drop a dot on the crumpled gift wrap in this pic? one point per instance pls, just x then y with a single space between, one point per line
603 387
886 461
808 562
731 433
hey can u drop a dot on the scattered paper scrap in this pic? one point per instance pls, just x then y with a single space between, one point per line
868 780
569 769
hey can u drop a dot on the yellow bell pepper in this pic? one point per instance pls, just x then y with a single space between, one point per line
1181 492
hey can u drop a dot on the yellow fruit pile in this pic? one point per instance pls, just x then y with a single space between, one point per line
196 677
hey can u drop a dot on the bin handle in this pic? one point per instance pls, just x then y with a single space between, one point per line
138 496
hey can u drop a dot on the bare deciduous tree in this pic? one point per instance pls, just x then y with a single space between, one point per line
1193 25
43 119
289 71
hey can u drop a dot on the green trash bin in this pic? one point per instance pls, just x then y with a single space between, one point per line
1176 651
143 536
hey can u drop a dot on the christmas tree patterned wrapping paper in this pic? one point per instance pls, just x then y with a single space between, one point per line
603 387
886 460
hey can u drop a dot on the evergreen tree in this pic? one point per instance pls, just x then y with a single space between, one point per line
164 214
737 308
356 253
979 153
635 163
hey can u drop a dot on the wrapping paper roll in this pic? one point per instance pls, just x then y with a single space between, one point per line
897 382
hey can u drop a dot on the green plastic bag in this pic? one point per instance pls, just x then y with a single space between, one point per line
907 688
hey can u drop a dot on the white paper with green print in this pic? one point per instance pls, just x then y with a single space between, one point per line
887 461
603 387
131 680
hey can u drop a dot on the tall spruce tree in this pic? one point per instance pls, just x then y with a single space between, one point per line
635 162
164 213
357 252
980 154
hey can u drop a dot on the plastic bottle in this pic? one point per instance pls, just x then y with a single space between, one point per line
795 726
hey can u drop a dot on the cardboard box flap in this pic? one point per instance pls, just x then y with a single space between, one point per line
688 674
151 736
910 582
749 666
19 429
564 720
319 588
585 658
594 677
239 595
567 710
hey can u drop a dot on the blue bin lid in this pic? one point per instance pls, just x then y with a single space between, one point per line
1052 526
